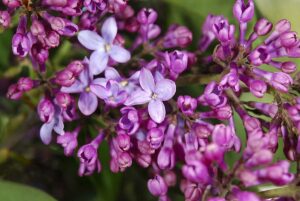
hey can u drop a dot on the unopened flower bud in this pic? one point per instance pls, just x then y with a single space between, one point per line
25 84
65 78
46 110
157 186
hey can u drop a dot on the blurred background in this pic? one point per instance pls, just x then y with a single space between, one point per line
24 159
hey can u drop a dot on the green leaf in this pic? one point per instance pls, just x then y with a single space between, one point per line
10 191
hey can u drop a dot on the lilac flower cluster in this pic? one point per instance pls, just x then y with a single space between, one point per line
129 90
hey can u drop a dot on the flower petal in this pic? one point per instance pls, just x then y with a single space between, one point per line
111 74
98 62
138 98
46 132
100 91
109 29
59 125
119 54
157 110
85 77
76 87
90 40
147 80
165 89
87 103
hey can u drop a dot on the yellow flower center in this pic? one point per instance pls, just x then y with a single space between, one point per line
154 96
107 47
88 89
124 83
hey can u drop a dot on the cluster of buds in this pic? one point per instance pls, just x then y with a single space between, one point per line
181 139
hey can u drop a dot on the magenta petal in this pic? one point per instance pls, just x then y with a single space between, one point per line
157 111
46 132
138 98
109 29
98 62
90 40
165 89
119 54
87 103
147 80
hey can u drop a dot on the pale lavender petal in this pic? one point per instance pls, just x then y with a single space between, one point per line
138 98
87 103
98 62
76 87
100 81
147 80
109 29
90 40
119 54
157 111
112 74
59 126
100 91
165 89
85 77
46 132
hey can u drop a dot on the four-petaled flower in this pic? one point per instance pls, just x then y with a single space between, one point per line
103 47
153 92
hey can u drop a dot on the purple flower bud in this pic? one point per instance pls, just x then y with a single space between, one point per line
196 171
223 136
12 3
177 36
124 160
246 196
5 19
242 11
212 96
46 110
170 178
263 27
123 142
178 61
143 160
261 157
202 130
88 156
147 16
283 26
258 88
289 39
68 141
224 32
251 124
259 56
155 136
268 109
63 99
20 45
223 112
277 173
192 191
129 120
65 78
157 186
214 152
25 84
39 53
288 67
75 67
187 104
37 28
281 81
13 92
52 39
166 158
